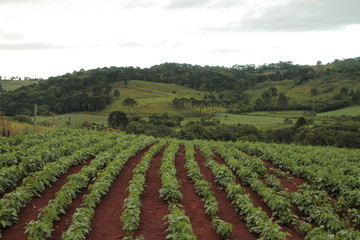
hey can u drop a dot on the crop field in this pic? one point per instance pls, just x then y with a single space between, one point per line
76 184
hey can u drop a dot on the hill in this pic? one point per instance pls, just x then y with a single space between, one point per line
153 97
240 88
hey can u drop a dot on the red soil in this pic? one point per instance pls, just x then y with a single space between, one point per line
292 186
191 202
152 223
30 211
106 223
226 209
64 223
259 203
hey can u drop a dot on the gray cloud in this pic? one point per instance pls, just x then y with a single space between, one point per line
304 15
28 46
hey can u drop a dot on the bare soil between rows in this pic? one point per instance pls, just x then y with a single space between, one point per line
30 211
107 225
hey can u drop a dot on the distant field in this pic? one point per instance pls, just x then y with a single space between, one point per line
76 119
9 85
246 119
152 98
285 114
351 111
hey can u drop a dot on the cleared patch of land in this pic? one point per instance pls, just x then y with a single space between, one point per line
9 85
350 111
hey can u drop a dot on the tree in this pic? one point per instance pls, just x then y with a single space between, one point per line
344 91
129 102
266 96
273 91
118 119
116 93
282 99
314 91
301 121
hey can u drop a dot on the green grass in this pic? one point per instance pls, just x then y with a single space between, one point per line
350 111
152 97
283 114
9 85
258 89
76 119
247 119
327 87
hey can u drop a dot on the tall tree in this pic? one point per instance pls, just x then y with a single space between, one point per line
282 99
129 102
118 119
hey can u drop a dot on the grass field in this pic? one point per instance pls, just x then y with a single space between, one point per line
76 119
9 85
152 98
350 111
247 119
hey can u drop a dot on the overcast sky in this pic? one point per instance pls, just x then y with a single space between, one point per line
42 38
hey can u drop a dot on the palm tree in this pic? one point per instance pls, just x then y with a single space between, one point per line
130 102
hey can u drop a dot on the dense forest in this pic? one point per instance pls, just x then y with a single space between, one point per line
91 90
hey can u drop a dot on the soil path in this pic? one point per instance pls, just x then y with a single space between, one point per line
64 223
30 211
152 223
226 209
191 202
259 203
292 186
106 223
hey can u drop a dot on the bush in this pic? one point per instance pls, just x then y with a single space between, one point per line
118 119
23 119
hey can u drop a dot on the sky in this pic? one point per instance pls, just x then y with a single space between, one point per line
43 38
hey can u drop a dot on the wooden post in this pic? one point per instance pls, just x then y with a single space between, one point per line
35 114
53 123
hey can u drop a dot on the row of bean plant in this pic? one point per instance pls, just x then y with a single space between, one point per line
179 226
10 176
256 220
34 184
203 190
81 220
130 216
42 227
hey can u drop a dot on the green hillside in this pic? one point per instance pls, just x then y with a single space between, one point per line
10 85
301 93
152 97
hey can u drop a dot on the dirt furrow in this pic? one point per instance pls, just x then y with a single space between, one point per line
191 202
106 223
259 203
154 209
226 209
30 211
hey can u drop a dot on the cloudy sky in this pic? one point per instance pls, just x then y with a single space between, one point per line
42 38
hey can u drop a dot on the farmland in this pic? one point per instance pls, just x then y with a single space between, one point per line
76 184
